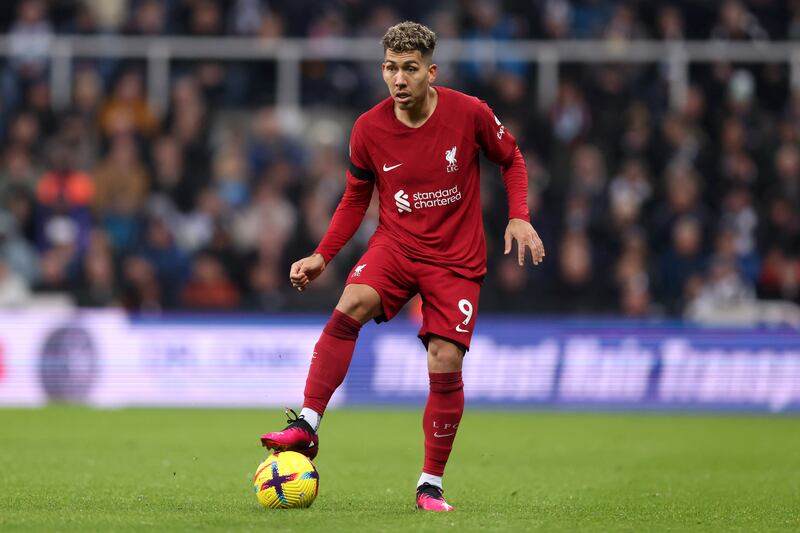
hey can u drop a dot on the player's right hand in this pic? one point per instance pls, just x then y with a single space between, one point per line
306 270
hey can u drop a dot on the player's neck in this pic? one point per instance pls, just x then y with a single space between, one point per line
418 115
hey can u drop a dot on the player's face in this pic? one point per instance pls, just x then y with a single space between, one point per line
408 76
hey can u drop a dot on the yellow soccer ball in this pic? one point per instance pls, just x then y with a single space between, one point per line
286 480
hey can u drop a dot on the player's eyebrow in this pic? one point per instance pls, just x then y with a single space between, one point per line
405 63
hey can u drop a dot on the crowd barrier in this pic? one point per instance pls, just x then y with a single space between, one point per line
107 359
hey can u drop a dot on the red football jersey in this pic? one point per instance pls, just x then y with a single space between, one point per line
428 180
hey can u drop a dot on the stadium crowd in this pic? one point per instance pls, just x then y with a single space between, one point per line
644 210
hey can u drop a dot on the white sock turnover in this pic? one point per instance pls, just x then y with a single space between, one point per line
312 417
427 478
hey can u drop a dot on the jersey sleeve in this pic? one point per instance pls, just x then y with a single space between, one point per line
501 148
355 201
495 141
360 163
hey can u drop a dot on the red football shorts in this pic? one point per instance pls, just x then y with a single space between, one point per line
449 301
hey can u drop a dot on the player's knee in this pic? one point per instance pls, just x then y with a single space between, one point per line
444 356
360 303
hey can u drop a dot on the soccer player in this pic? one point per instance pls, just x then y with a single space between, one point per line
420 149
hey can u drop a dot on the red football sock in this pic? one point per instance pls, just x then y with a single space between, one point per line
440 421
331 359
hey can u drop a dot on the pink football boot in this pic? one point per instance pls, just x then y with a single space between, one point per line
430 498
298 436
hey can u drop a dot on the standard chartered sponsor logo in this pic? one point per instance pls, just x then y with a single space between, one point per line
401 201
436 198
423 200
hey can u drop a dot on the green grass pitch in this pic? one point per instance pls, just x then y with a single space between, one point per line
177 470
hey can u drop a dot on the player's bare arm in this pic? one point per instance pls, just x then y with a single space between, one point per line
306 270
526 237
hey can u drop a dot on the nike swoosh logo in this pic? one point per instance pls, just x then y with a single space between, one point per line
387 169
443 435
458 329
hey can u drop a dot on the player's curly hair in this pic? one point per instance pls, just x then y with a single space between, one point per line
409 36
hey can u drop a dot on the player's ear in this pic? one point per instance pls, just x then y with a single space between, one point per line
432 73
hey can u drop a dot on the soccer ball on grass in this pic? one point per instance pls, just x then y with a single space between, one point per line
286 480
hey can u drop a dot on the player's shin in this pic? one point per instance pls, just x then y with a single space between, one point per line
441 419
330 361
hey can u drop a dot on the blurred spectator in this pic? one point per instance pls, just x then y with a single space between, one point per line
724 292
53 267
637 136
569 116
16 174
787 171
17 253
223 248
170 177
64 196
127 111
197 229
218 82
248 16
29 43
87 93
266 294
171 264
121 183
780 228
230 177
24 132
670 23
121 180
188 123
37 101
581 285
20 203
683 263
726 247
588 179
635 299
267 223
142 289
110 14
209 287
682 186
14 292
269 143
508 290
557 19
623 25
488 21
780 276
736 23
149 18
590 17
630 189
632 277
682 143
97 282
739 216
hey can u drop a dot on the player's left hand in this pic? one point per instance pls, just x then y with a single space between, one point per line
521 231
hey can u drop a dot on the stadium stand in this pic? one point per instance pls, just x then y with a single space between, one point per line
645 210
